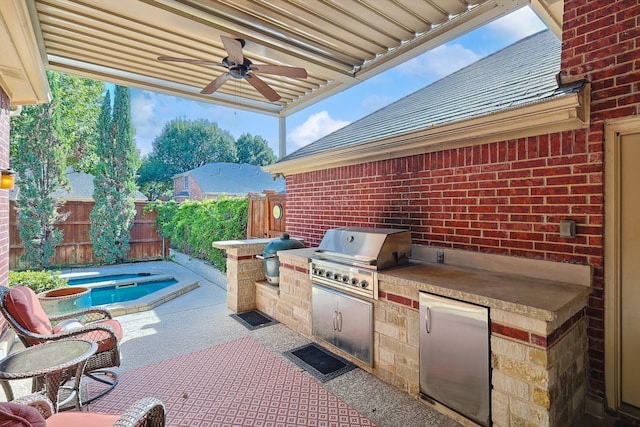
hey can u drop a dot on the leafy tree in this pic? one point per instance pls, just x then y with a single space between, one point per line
78 103
254 150
152 180
39 156
80 108
114 192
186 144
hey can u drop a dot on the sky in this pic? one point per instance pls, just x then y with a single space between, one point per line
150 111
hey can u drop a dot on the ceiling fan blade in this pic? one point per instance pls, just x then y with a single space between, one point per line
188 61
215 84
280 70
262 87
234 49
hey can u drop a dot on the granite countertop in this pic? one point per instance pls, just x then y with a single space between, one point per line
511 292
543 299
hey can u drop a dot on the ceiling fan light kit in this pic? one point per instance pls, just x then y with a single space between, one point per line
240 67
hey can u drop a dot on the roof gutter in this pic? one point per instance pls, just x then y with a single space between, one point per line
565 113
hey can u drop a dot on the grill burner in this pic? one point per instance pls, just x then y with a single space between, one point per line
349 258
353 279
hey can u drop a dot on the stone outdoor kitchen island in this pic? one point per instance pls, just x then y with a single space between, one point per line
537 324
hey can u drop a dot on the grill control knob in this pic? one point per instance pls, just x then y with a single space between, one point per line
336 276
328 274
345 278
363 284
354 281
319 272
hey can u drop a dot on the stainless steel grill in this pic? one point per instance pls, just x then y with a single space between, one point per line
349 258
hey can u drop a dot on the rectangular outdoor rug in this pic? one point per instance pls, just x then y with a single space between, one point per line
254 319
239 383
319 362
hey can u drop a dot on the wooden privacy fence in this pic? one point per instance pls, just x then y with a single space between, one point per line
76 248
267 215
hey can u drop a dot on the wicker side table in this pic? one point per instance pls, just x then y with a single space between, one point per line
49 364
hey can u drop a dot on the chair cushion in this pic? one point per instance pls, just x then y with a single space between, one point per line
67 326
23 305
16 415
81 419
103 339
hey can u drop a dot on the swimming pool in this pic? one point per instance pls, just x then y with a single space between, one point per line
132 288
113 288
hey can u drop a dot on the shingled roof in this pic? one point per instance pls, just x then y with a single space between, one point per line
80 188
234 179
520 74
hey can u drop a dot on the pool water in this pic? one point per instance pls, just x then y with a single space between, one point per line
127 292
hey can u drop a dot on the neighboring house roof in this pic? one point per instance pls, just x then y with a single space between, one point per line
521 74
234 179
80 188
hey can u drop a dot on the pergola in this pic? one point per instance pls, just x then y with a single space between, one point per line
339 42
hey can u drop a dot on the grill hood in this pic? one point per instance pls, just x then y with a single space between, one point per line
373 248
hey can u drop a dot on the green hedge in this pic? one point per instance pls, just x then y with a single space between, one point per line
39 281
193 226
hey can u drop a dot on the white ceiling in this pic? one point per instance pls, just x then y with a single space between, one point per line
338 42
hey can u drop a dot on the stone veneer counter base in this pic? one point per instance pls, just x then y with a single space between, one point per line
537 337
537 321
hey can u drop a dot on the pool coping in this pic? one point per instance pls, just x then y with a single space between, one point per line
187 281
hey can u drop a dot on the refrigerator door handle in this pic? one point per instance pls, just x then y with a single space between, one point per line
427 321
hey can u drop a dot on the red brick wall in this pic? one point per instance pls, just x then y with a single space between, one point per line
4 196
195 192
601 40
505 197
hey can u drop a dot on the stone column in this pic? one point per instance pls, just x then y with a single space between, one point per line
243 270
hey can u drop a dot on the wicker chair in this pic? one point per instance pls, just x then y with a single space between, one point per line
22 309
36 409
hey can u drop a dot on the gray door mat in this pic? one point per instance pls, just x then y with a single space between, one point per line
322 364
254 319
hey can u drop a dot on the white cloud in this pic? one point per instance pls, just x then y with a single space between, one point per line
143 106
315 127
440 61
144 117
521 23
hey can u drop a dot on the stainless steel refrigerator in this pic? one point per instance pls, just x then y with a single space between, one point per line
454 356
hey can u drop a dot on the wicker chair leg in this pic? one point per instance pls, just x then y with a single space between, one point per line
102 373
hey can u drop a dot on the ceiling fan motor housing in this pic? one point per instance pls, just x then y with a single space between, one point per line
237 71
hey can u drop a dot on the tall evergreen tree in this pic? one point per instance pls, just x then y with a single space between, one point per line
39 157
114 182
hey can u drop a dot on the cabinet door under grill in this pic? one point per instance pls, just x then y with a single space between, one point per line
324 314
343 321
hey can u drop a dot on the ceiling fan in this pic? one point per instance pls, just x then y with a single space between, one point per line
241 67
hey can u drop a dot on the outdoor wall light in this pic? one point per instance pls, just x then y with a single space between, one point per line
567 228
8 180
